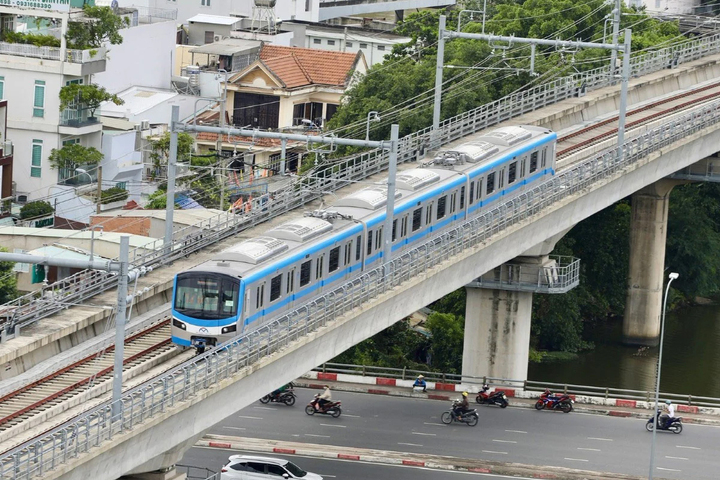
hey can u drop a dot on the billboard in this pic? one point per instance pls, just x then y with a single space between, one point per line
56 5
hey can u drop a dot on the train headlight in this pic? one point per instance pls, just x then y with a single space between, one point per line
229 329
177 323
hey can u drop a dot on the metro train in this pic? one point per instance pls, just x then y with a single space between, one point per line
262 277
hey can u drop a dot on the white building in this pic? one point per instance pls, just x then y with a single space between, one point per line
673 7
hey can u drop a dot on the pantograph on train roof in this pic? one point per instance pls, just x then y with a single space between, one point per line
507 136
254 251
370 198
415 179
300 229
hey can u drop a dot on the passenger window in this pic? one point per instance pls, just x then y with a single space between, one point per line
453 202
490 187
522 167
533 161
462 198
394 232
290 281
276 470
334 259
369 242
403 227
472 192
501 179
305 273
260 296
428 215
441 205
240 467
512 172
478 191
319 268
378 239
275 285
358 247
417 219
544 156
348 253
256 467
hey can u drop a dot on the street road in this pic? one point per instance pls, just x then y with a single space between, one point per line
574 440
214 459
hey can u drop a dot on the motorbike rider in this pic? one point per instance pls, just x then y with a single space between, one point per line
462 406
276 393
420 382
665 418
324 398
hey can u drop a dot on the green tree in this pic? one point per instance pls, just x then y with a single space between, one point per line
8 281
38 208
86 96
160 148
446 344
98 26
73 155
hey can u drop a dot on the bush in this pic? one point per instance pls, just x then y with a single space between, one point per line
36 209
31 39
114 194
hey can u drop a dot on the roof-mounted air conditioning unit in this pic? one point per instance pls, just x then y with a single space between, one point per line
145 125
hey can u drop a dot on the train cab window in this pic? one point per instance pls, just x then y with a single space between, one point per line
403 226
394 232
417 219
441 207
230 295
369 242
544 158
358 247
462 198
472 193
275 287
290 283
512 173
334 259
260 296
533 162
305 273
490 186
319 268
206 297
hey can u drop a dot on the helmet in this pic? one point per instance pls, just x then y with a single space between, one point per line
420 376
464 394
326 386
668 402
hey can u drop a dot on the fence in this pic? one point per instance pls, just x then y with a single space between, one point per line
24 311
164 392
527 385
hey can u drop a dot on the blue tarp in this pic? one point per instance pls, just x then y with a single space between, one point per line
185 202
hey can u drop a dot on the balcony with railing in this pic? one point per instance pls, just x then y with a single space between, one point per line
6 149
77 175
52 53
557 274
77 116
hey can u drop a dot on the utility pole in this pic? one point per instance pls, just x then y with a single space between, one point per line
98 194
623 92
218 147
439 74
172 163
390 205
615 35
120 326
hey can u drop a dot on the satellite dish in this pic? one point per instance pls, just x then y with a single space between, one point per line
114 5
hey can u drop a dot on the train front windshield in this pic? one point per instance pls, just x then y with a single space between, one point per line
206 296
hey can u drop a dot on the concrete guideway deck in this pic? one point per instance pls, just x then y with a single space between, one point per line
438 462
56 333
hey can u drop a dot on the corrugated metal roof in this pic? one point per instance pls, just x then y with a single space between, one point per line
63 253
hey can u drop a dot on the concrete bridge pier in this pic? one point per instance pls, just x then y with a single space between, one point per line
162 467
648 232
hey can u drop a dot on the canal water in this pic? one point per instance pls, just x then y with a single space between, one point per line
691 357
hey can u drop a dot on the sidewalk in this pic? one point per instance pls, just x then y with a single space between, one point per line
380 386
388 457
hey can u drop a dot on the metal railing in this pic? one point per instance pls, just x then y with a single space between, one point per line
156 396
358 167
558 277
527 385
51 53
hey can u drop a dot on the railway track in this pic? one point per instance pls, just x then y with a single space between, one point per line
147 347
606 129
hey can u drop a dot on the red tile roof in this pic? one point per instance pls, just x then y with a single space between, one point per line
259 142
297 67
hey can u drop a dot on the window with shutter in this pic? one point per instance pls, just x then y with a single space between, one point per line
39 103
35 169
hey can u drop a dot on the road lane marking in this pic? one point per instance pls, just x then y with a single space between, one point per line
351 416
336 426
440 424
601 439
690 448
410 444
515 431
577 459
668 469
313 435
675 458
504 441
235 428
265 408
248 417
590 449
426 434
492 451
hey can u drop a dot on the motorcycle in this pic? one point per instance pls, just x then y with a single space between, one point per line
674 424
494 398
287 397
550 401
331 408
469 417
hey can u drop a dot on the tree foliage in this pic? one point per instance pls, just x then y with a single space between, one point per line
86 96
73 155
36 209
160 148
8 280
446 342
99 25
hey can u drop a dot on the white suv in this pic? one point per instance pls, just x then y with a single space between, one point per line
250 467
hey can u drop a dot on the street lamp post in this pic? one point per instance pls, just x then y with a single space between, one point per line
374 117
672 277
